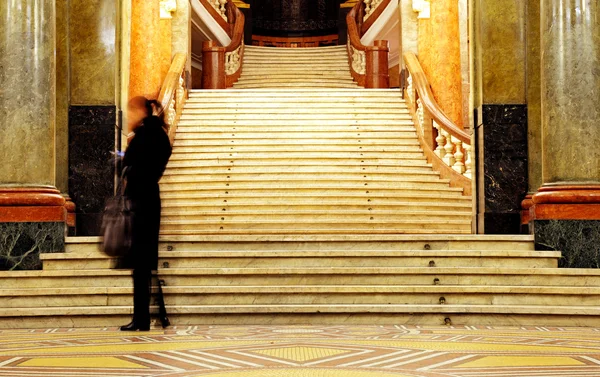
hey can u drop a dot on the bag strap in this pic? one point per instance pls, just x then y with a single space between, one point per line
122 183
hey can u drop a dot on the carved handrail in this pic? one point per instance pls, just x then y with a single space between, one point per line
222 66
173 93
368 64
447 146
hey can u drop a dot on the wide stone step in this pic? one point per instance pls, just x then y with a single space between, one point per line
360 136
315 190
301 78
273 178
396 142
240 127
294 85
85 259
290 75
297 149
339 217
180 173
331 205
290 92
292 108
311 295
446 276
260 185
294 163
417 155
321 226
320 243
395 117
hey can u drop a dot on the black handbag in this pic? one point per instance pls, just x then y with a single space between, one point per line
117 222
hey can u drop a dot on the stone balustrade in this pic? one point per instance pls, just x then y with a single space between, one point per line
358 59
370 7
173 93
233 60
449 145
219 6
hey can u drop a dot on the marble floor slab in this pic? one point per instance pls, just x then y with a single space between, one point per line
303 351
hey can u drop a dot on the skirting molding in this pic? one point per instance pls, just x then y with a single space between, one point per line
33 204
568 202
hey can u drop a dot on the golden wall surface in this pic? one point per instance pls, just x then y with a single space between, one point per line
62 95
534 109
439 54
144 75
165 48
92 25
503 38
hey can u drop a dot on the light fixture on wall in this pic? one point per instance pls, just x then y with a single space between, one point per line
423 7
167 7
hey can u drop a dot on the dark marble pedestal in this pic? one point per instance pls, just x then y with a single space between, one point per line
22 242
578 240
502 138
91 171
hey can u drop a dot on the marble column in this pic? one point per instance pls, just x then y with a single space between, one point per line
567 206
32 213
144 76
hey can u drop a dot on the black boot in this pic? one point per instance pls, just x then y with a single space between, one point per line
135 326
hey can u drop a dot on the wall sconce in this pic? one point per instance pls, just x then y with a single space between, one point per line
423 7
167 7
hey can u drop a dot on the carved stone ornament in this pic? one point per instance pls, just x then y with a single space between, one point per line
423 7
167 7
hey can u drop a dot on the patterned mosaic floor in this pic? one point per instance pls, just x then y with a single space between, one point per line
294 351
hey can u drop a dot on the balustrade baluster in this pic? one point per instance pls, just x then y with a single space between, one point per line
440 141
449 147
468 171
367 8
459 165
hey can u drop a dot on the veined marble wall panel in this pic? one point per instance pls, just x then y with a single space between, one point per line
27 95
534 91
62 95
439 54
92 29
503 37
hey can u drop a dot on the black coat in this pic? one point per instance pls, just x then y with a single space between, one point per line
145 160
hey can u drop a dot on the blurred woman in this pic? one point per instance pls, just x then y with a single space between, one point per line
145 160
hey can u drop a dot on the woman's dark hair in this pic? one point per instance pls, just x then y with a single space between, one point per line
153 108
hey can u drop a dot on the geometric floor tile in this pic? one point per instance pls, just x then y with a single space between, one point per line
303 351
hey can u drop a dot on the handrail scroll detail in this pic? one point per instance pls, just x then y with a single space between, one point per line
222 66
368 64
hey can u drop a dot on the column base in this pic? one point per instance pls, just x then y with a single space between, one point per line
567 219
32 221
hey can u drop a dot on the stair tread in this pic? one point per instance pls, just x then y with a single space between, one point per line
241 289
328 308
324 254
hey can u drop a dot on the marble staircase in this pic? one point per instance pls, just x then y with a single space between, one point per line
304 161
314 279
319 67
